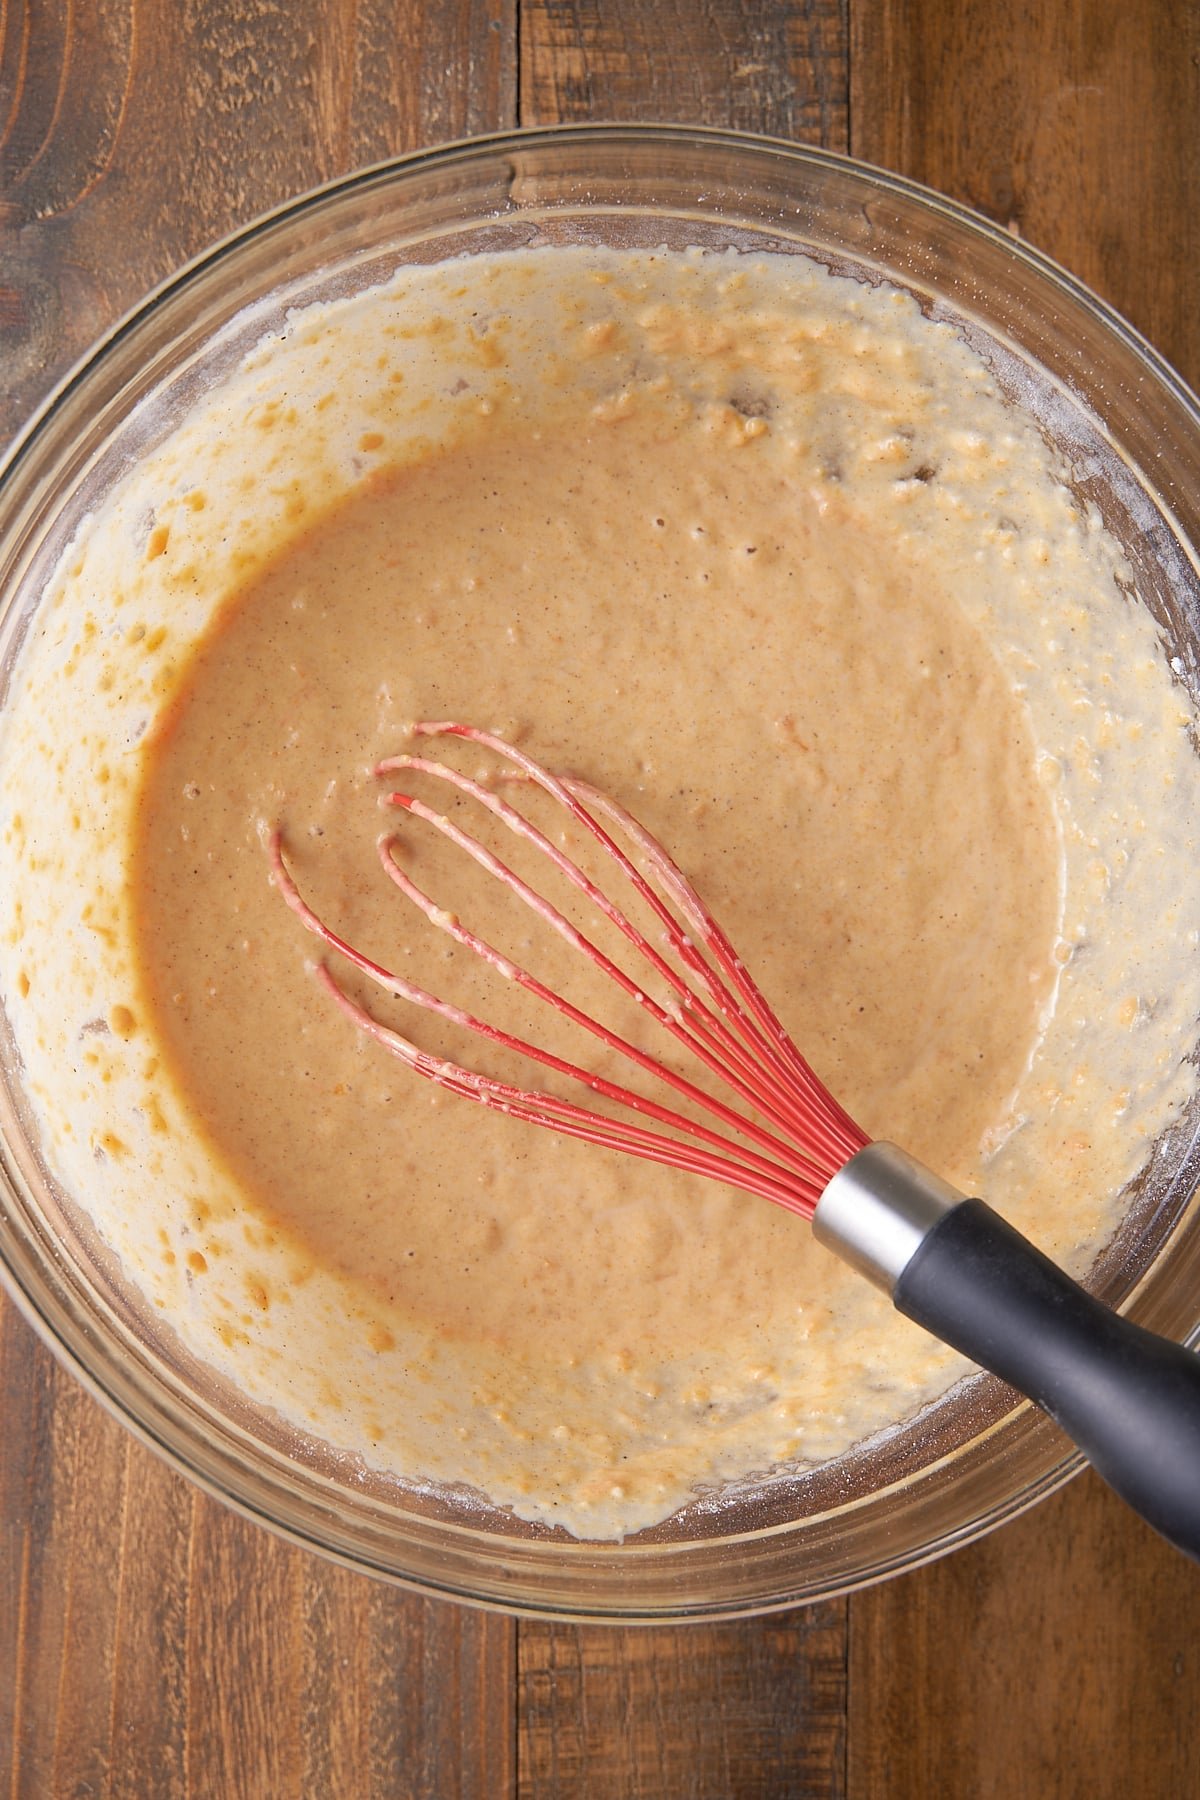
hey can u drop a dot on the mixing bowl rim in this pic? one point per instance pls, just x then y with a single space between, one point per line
491 143
460 151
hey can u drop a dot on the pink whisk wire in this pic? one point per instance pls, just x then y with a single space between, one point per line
715 1009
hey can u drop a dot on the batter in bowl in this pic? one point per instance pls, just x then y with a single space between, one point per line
763 553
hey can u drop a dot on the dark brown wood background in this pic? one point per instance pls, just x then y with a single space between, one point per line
152 1644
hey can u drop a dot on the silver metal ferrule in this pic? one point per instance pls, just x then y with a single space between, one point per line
878 1209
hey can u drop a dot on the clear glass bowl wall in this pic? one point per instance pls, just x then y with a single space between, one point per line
1130 433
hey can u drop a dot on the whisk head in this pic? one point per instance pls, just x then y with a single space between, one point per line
770 1127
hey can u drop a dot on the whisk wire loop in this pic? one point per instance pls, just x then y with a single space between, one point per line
773 1074
707 1026
732 1032
748 1071
786 1186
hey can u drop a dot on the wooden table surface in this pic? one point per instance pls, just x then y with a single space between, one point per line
152 1644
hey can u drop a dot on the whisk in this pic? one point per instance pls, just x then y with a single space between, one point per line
1129 1399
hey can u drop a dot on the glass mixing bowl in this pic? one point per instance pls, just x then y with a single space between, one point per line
1130 434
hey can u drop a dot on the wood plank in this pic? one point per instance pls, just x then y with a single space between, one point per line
155 1644
150 1641
1076 125
373 1691
136 132
779 68
747 1709
1058 1657
743 1709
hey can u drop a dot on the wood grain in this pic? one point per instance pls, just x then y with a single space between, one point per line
775 68
734 1711
1059 1657
1076 125
135 132
154 1644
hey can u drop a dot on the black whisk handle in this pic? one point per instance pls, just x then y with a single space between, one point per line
1128 1399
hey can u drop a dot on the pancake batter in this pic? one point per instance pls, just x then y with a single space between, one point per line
764 554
